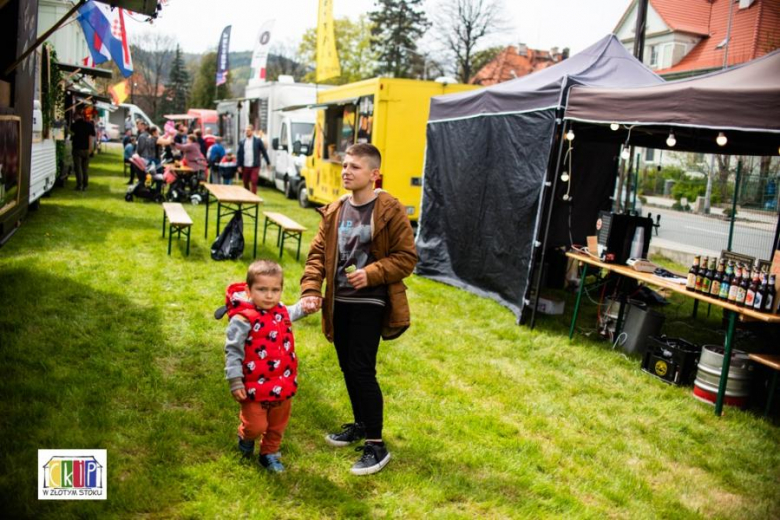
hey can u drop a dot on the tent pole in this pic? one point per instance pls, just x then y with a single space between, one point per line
550 201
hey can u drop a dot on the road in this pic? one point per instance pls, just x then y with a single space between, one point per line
706 232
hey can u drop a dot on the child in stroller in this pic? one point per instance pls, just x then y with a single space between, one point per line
150 180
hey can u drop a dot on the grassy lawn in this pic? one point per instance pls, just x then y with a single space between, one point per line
107 342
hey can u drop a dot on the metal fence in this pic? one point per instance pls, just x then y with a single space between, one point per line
742 214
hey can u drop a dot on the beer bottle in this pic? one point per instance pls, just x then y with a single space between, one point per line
691 283
717 279
750 297
758 302
771 295
700 274
743 287
725 283
734 286
706 282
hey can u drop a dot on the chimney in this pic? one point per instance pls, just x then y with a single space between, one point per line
522 49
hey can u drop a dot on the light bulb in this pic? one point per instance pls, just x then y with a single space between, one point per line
671 141
565 196
722 139
625 154
570 135
565 177
614 127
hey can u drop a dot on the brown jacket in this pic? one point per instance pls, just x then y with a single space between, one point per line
393 247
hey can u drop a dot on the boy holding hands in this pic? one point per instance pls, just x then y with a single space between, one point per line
364 248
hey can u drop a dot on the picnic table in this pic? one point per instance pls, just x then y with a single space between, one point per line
231 200
734 312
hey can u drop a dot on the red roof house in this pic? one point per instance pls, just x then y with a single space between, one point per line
689 37
516 61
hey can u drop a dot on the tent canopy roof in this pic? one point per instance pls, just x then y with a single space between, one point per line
605 63
744 98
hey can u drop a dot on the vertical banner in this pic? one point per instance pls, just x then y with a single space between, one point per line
260 54
223 66
327 58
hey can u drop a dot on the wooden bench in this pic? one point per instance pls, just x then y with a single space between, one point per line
772 362
180 222
288 228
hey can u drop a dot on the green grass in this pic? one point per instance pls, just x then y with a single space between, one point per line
107 342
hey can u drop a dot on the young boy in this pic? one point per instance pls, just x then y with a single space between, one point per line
364 249
228 167
260 361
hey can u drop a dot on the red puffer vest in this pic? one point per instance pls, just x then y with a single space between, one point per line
270 364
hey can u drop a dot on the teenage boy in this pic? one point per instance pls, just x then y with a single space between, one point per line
364 249
250 150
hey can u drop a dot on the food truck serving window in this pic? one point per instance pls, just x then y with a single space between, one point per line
339 130
365 119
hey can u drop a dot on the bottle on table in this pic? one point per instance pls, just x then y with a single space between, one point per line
709 274
690 285
735 282
750 296
758 302
717 279
700 274
743 287
725 283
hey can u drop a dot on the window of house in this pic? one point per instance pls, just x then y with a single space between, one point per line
650 154
654 55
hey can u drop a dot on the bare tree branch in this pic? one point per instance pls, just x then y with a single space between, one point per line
461 24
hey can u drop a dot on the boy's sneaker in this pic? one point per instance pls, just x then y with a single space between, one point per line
246 448
375 457
272 463
351 432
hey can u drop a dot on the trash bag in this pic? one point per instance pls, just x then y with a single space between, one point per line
229 245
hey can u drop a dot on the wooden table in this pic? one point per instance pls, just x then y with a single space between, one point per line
734 312
231 200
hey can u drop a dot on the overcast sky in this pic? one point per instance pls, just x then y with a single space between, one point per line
541 24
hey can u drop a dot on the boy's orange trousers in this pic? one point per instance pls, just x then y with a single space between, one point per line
260 421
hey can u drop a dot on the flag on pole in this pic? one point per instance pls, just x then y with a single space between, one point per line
106 36
327 58
260 54
223 66
119 92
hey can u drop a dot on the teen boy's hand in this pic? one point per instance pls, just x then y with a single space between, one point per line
239 394
358 279
311 304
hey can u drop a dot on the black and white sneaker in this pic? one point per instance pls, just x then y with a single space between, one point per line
374 458
351 432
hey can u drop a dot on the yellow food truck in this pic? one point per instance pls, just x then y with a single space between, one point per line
387 112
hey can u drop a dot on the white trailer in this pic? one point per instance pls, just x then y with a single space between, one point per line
262 108
43 159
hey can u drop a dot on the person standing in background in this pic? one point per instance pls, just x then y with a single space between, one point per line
249 151
83 133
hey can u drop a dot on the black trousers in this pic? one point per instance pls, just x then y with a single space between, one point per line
81 166
356 333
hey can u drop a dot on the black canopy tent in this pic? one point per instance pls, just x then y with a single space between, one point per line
489 166
742 102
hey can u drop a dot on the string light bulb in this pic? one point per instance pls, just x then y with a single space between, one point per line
671 141
722 139
614 127
570 135
625 154
564 177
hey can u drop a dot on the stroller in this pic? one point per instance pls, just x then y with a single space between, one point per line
150 185
184 187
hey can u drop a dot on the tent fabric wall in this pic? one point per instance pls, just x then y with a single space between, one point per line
480 202
487 161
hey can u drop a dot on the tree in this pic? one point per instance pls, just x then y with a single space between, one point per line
462 24
205 90
282 59
178 86
151 53
353 44
397 25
